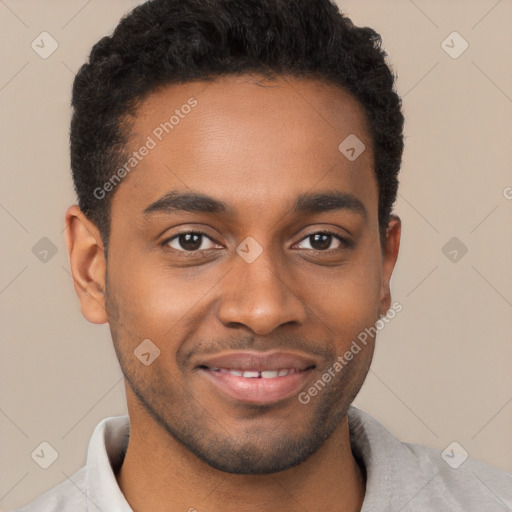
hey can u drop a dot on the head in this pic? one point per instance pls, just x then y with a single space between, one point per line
219 211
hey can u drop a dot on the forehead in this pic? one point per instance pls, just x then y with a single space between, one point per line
250 143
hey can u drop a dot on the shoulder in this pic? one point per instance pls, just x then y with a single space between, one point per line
460 482
410 477
94 485
69 495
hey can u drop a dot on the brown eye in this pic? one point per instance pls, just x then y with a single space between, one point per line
189 241
322 241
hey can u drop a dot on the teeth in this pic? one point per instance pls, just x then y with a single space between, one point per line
253 374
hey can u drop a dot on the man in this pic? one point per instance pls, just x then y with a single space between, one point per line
236 166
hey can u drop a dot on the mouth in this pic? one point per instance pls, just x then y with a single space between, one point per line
258 378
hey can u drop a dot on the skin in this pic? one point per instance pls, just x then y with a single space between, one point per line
255 145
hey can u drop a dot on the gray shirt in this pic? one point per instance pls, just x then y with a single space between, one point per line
399 476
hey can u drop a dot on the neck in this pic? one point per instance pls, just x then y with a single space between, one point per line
157 471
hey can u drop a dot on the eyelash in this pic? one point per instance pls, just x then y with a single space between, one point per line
344 241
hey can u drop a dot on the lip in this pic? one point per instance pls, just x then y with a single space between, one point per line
258 361
258 390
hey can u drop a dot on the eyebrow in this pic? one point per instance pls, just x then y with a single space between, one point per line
311 203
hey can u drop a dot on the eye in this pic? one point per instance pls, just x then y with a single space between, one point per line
322 241
189 241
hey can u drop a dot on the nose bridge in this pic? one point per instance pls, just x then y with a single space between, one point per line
259 292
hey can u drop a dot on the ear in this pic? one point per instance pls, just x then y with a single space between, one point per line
389 257
88 265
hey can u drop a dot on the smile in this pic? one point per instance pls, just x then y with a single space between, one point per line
256 374
257 386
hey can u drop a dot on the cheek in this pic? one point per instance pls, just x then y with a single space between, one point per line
355 284
346 300
156 301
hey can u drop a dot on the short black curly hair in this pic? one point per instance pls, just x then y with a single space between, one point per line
162 42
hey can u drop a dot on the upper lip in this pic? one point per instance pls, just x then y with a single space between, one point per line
258 361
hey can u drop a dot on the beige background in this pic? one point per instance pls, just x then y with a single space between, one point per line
441 371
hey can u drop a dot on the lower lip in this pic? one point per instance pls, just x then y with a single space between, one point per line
258 390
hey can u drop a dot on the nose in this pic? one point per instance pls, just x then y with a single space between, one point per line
260 295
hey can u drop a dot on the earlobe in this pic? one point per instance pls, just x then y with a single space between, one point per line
88 265
389 257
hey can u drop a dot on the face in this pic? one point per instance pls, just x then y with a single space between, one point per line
246 247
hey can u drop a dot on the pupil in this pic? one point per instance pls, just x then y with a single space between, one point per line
321 241
187 243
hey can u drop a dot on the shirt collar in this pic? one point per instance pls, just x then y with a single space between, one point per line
393 473
379 452
105 455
